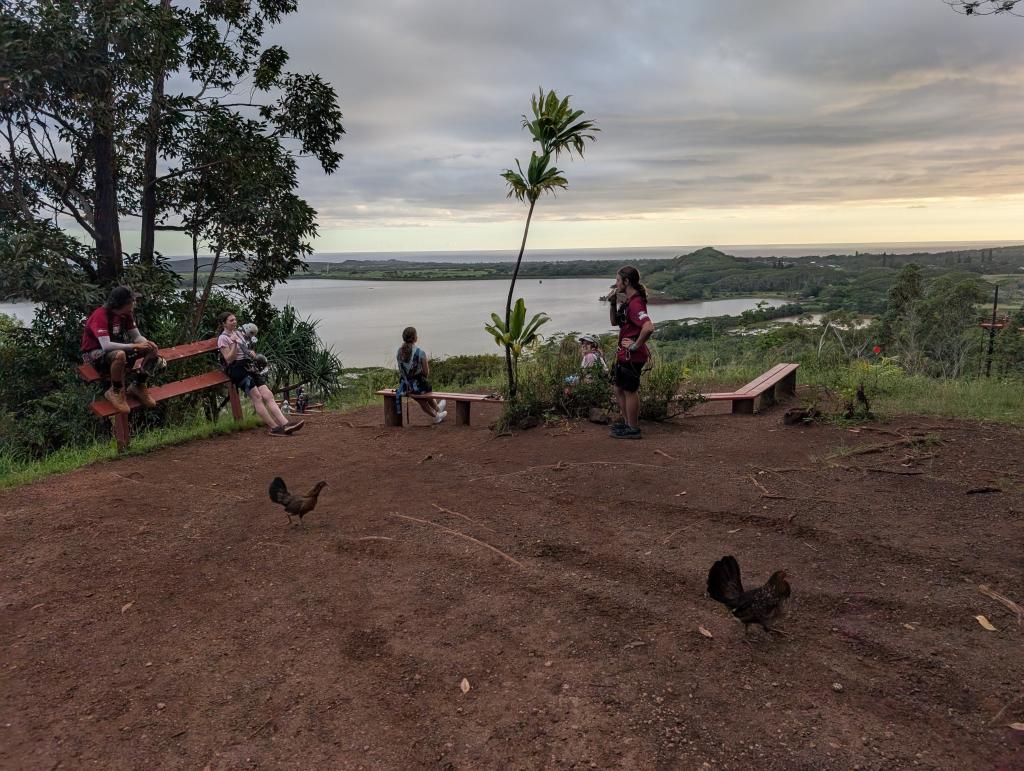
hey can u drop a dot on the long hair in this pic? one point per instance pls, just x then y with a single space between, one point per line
409 342
632 278
222 320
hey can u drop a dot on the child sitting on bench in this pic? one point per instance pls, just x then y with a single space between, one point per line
413 371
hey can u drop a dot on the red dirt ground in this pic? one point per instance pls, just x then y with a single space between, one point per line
159 611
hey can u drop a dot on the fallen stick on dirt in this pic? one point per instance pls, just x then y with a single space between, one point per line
463 516
869 448
761 487
560 465
881 470
662 452
778 497
374 538
674 532
984 489
786 469
477 541
1006 706
1005 600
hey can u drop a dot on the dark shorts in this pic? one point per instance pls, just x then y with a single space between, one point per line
418 385
243 377
627 375
102 361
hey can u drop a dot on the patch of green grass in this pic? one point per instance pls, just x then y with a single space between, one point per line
14 473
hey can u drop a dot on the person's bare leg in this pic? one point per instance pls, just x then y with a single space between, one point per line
620 397
261 410
632 408
271 405
428 407
117 368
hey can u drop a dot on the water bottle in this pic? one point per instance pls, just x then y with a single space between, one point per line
286 408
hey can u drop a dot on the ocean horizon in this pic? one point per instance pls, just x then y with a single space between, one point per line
626 253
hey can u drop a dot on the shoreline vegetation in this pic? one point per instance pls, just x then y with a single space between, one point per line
857 282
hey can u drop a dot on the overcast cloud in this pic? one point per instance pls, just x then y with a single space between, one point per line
702 105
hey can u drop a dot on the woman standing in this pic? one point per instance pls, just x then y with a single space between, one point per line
238 366
628 311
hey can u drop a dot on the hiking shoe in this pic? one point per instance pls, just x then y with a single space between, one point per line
291 428
440 416
278 431
628 433
116 398
141 392
441 405
617 428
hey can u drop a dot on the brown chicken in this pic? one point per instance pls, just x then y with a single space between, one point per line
295 505
764 605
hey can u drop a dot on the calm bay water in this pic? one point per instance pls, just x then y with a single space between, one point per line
363 320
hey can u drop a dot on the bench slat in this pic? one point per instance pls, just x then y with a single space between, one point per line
765 380
442 395
89 374
105 409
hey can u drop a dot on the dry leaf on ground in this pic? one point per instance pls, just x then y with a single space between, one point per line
126 606
464 685
985 623
704 631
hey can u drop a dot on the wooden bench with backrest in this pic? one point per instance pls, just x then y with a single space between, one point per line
779 381
463 402
160 393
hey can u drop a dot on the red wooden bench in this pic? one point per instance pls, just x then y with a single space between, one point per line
392 417
160 393
780 380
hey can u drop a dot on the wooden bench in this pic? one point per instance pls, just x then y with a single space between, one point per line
392 416
160 393
780 380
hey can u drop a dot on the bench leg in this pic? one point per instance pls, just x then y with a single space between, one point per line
767 398
122 431
742 406
392 417
787 385
462 413
236 403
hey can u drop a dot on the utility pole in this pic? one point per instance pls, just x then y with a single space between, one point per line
992 333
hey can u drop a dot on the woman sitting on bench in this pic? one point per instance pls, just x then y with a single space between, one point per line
238 366
413 371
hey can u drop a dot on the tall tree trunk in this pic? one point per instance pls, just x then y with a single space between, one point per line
201 306
108 231
508 304
147 244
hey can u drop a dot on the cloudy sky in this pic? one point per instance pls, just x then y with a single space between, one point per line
730 122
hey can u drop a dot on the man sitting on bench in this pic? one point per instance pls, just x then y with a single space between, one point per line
112 343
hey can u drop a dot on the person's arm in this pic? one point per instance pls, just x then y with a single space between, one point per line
424 364
229 351
109 345
612 310
139 342
645 333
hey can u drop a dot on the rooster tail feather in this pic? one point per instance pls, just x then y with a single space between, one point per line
279 491
724 583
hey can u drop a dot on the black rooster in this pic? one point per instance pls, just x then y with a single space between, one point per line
297 505
763 606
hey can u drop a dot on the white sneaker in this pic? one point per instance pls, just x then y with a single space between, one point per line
441 405
440 416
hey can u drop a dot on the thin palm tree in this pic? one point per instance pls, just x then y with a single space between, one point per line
557 128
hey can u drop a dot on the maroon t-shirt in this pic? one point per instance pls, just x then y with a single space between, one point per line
632 317
96 327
